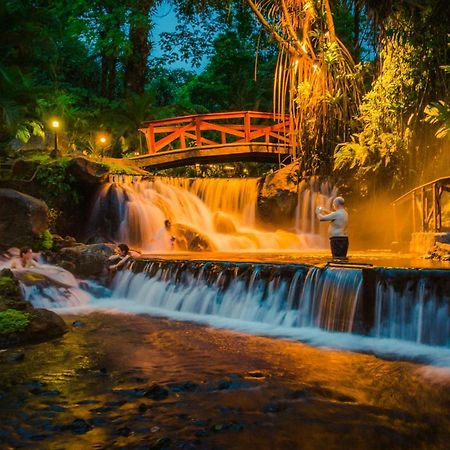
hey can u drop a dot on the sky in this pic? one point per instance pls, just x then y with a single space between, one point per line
165 20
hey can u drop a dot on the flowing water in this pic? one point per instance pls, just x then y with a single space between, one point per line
221 211
122 379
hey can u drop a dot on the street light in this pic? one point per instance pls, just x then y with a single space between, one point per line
55 124
103 140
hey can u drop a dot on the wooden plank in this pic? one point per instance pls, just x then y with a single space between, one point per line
247 126
207 126
220 116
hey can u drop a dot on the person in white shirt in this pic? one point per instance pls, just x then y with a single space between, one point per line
337 230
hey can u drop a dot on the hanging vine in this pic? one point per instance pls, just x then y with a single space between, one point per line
316 80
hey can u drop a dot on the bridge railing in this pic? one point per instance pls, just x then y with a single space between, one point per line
423 209
216 129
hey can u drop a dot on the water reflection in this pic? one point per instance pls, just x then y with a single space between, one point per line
93 387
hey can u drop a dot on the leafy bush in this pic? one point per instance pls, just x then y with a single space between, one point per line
12 321
46 242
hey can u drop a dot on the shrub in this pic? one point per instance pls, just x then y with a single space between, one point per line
12 321
46 242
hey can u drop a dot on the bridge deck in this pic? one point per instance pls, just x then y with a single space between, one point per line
254 151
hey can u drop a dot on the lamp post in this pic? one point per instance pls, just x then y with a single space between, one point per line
55 126
103 140
102 143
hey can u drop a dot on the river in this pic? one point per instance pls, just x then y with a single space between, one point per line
133 381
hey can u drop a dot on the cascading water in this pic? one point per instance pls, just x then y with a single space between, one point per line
219 213
414 310
311 194
277 296
293 297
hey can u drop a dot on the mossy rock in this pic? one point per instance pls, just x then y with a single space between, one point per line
13 321
9 287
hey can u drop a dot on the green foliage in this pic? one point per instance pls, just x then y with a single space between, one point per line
46 240
55 181
8 287
438 113
13 321
377 155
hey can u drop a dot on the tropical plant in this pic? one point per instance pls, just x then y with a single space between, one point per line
315 75
438 113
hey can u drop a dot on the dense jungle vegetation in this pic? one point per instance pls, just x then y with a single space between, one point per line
365 81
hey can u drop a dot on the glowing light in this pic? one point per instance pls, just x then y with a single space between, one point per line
304 47
55 123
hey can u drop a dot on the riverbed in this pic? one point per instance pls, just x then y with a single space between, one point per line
119 380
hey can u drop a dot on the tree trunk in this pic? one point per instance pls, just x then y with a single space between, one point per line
135 75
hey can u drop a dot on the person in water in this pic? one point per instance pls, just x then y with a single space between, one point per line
122 258
164 239
25 259
337 230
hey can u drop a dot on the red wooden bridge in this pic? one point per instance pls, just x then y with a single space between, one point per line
216 137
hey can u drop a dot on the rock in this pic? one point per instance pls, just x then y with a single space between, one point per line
124 431
189 238
24 169
22 219
157 392
78 324
87 260
15 357
440 252
9 287
43 324
142 408
79 426
277 197
88 172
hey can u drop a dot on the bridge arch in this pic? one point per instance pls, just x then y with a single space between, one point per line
216 137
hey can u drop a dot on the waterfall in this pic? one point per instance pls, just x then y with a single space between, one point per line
279 296
208 214
311 194
415 310
289 297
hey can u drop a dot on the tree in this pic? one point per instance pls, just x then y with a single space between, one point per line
393 148
315 76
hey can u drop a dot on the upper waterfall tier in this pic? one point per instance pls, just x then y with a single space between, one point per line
207 214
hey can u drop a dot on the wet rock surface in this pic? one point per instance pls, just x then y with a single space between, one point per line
277 197
440 252
124 381
42 324
84 260
22 218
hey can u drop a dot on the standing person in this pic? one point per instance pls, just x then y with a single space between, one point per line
25 260
338 227
164 239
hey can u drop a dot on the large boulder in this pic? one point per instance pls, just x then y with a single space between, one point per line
190 239
42 324
277 197
22 218
85 260
87 172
